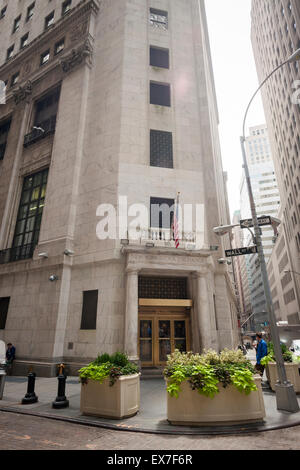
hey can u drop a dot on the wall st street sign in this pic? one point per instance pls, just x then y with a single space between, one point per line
249 250
265 220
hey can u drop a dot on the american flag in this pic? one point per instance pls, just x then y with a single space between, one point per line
175 222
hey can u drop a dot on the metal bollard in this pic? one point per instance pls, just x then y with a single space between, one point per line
2 382
30 396
61 400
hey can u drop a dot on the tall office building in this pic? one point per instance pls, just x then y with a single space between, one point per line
267 202
110 110
275 36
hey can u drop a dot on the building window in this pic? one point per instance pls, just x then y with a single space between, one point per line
161 149
162 288
10 52
46 108
161 212
59 46
160 94
159 19
24 41
89 310
3 12
49 20
159 57
30 11
66 7
16 24
14 79
45 118
45 57
4 304
29 217
4 130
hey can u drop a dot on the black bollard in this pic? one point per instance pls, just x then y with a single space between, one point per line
61 400
30 396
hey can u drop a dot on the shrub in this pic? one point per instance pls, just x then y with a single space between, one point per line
205 372
106 366
287 355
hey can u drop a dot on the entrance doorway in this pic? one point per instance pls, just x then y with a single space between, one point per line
160 333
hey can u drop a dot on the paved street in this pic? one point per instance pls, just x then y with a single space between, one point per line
21 432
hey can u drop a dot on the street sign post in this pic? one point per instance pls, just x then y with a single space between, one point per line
262 221
249 250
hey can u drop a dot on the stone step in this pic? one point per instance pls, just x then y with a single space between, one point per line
152 373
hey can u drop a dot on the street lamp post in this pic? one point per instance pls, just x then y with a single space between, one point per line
285 394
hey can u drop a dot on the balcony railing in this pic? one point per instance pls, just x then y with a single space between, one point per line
162 237
40 131
17 253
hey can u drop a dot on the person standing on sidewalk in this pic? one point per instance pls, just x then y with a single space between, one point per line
261 351
10 357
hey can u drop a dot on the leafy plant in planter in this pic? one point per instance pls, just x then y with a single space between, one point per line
106 366
205 372
287 355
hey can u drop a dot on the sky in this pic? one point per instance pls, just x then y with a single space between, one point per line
236 80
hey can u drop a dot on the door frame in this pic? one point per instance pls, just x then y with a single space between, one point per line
155 314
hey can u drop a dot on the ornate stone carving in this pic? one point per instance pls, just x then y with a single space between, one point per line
22 92
82 54
79 31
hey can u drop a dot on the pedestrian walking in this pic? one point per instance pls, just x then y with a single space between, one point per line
261 351
10 357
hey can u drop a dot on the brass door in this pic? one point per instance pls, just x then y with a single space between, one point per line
161 335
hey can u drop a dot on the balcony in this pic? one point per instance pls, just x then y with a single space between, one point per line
17 253
40 131
160 237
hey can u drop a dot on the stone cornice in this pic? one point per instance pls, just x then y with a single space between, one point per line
76 15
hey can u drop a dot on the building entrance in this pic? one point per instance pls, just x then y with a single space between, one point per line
161 331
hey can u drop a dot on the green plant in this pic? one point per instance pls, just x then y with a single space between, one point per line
205 372
287 355
106 366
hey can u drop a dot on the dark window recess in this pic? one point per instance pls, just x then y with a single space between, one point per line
159 57
160 94
29 216
161 212
162 288
89 310
4 130
45 118
161 149
4 304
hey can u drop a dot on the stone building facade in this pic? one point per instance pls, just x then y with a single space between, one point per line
86 122
275 36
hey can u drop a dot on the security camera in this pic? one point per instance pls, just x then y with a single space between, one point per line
53 278
43 255
68 252
222 261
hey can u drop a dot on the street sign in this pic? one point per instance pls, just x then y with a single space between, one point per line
265 220
248 250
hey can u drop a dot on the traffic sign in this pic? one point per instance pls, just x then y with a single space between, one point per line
248 250
265 220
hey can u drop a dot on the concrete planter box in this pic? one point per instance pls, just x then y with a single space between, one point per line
292 373
122 400
228 407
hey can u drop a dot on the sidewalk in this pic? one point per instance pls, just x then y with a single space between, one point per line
150 419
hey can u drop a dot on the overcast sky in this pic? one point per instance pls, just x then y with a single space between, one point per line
236 80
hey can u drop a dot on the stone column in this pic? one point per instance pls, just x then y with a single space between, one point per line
131 315
203 310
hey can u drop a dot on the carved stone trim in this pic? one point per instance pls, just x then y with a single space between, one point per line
22 93
82 54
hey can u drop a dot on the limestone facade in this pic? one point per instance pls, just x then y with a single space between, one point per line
99 151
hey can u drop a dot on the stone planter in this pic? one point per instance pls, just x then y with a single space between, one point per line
227 407
122 400
292 373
